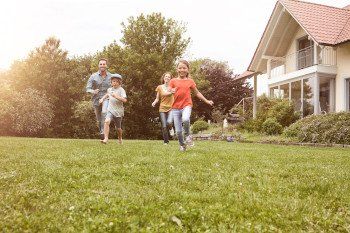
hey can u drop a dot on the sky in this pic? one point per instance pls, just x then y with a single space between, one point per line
222 30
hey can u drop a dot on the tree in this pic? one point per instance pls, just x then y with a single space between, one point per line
62 80
216 82
151 45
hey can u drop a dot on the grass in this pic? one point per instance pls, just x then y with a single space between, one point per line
79 185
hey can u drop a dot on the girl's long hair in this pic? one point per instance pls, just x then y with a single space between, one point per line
162 78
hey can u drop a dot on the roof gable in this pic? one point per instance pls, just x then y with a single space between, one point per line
325 24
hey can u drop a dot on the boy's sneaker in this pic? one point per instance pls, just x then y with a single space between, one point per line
182 148
189 141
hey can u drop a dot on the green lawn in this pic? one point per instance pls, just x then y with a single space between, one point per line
80 185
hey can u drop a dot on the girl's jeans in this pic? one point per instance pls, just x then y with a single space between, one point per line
182 122
167 120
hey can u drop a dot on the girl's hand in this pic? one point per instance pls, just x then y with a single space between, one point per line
100 101
154 103
210 102
172 90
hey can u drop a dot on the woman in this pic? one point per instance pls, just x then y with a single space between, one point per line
166 101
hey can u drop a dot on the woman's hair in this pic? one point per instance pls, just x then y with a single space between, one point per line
187 64
162 78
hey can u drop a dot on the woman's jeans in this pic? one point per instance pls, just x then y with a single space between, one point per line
167 120
182 122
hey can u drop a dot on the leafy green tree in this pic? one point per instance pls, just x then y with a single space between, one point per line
151 44
216 82
62 80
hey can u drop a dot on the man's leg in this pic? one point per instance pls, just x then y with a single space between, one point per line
98 114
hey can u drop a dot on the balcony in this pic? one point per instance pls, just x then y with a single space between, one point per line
303 62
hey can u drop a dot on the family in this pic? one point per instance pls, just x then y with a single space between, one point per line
173 96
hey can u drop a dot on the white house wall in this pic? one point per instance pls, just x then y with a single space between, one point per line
343 63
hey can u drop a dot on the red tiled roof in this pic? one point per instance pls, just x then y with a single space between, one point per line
325 24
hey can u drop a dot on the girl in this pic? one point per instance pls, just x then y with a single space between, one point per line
166 101
182 106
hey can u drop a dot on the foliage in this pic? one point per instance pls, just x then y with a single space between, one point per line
280 109
6 106
32 113
151 46
82 186
199 125
329 128
49 70
85 125
271 126
216 82
218 116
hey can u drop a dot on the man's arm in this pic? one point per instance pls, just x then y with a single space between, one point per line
89 86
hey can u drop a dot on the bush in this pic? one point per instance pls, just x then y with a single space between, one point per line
283 111
329 128
271 126
32 113
199 125
85 125
280 109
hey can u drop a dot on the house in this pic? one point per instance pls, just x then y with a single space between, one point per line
305 53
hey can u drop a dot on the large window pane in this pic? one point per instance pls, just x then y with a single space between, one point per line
325 84
274 92
308 100
284 91
296 95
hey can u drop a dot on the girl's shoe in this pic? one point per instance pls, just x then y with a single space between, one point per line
183 148
189 141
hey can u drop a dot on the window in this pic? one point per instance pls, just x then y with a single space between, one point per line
305 53
308 96
296 95
274 93
284 91
325 87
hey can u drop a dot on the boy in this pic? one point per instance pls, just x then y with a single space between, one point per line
115 112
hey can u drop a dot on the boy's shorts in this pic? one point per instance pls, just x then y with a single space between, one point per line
117 120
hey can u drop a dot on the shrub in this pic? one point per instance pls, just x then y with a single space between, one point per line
271 126
329 128
85 125
199 125
31 112
280 109
283 111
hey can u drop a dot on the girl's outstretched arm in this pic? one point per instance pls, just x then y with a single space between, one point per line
201 97
156 100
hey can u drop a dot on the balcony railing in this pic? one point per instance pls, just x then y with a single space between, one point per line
302 59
